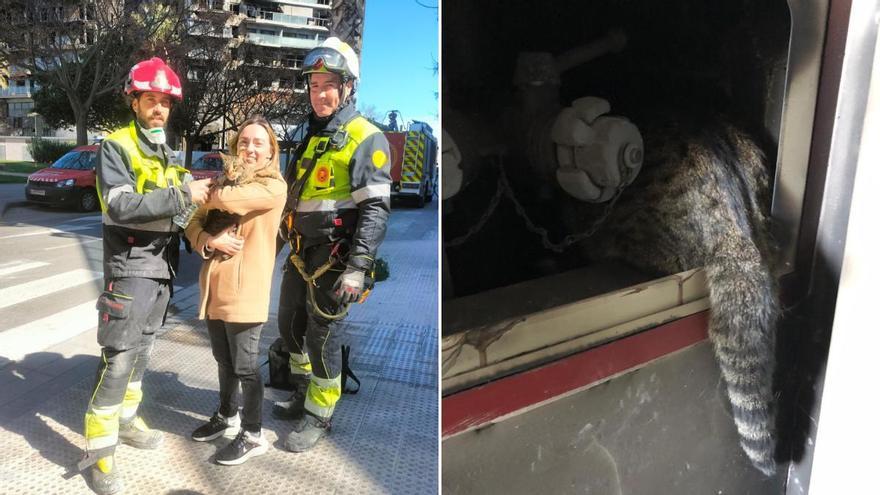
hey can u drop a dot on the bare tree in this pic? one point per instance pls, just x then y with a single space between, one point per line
372 113
226 81
288 111
84 48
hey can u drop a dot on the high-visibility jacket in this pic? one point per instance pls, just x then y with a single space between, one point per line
348 191
139 187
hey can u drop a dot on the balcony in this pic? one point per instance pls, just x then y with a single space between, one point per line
214 31
315 4
213 5
268 17
276 41
17 92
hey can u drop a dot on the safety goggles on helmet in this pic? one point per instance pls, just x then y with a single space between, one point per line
326 60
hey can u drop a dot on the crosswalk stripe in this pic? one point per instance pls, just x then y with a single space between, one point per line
90 218
19 266
77 243
37 335
10 296
61 229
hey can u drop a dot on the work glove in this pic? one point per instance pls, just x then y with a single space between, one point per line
349 285
597 154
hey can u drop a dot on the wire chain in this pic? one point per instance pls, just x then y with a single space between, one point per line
569 239
505 188
490 209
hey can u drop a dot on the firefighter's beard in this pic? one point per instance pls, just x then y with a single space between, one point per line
150 119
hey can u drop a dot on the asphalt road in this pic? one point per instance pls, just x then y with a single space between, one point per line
51 273
51 269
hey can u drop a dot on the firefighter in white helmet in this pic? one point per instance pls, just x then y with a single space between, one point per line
140 190
338 207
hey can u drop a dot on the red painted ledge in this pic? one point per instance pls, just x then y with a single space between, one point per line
483 404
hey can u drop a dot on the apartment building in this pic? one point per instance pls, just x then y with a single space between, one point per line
16 106
271 36
17 116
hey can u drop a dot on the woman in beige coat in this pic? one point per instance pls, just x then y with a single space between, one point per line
235 233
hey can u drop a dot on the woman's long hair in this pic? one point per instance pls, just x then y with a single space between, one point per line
232 164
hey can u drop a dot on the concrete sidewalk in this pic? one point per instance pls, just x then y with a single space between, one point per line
384 439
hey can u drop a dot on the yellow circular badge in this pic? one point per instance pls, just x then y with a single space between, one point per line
379 158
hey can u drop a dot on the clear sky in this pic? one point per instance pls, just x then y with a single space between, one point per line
400 50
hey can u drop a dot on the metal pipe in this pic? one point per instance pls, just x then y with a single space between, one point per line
612 42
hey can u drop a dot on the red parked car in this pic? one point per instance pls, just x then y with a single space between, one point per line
69 181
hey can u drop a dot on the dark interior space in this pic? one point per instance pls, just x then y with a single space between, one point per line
685 61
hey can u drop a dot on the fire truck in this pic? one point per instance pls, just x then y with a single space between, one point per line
414 163
564 377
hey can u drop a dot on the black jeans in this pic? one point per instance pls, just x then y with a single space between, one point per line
236 348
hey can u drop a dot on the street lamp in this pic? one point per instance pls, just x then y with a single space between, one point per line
34 115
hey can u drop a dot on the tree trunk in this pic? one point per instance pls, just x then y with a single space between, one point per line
82 132
190 142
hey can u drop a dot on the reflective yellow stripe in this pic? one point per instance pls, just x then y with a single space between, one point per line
150 172
101 429
322 395
332 165
99 442
413 157
105 464
132 399
101 426
300 364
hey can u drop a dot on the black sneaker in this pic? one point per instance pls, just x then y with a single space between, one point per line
245 446
294 406
216 427
306 433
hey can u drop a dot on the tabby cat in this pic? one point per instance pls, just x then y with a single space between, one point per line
702 200
235 173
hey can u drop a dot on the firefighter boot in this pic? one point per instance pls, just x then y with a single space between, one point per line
306 432
106 479
137 434
294 406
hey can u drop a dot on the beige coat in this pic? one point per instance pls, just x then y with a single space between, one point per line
237 289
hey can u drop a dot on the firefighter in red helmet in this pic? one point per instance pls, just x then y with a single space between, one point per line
141 191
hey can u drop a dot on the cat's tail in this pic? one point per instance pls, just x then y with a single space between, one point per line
742 326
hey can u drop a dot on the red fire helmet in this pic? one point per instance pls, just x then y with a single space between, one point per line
153 75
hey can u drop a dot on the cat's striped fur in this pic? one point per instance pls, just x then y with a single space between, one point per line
702 199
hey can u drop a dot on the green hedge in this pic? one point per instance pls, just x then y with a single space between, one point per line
47 151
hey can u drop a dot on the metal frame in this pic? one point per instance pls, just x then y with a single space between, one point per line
808 26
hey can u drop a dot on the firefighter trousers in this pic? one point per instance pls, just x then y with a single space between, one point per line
130 310
314 342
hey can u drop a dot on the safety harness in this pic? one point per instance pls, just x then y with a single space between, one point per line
336 141
329 140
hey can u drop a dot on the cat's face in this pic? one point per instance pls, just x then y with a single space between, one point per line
254 147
